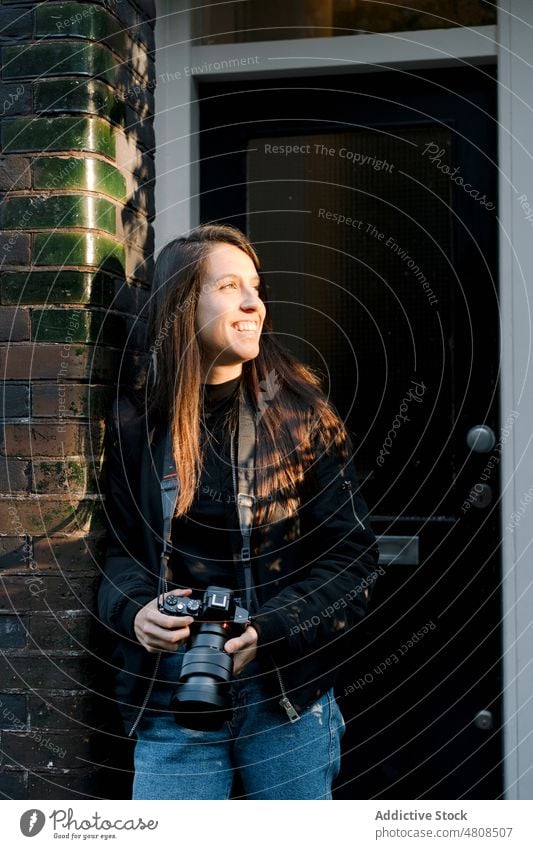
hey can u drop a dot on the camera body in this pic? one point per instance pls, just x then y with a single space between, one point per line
202 699
218 605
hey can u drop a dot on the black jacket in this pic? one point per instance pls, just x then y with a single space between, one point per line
314 571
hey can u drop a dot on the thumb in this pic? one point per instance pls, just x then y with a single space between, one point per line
233 645
247 638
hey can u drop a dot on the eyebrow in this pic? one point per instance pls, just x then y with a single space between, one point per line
225 276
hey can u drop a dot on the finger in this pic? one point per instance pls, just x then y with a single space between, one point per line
163 619
249 637
169 623
242 660
232 645
239 643
152 629
167 642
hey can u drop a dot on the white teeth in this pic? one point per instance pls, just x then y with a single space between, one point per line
245 325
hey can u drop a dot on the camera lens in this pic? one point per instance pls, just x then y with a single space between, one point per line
202 697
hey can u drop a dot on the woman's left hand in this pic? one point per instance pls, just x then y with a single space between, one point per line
244 648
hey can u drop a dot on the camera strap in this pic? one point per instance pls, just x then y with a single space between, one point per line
245 498
245 493
169 498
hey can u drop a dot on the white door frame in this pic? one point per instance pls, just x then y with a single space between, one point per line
180 63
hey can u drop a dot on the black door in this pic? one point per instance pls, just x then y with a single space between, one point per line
372 202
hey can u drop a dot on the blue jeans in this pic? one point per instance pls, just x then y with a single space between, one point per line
276 758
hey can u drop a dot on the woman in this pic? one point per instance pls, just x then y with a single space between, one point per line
216 373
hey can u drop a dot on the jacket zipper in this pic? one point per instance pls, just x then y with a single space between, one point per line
148 694
290 710
284 702
347 484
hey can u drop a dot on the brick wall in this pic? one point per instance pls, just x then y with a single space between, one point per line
76 184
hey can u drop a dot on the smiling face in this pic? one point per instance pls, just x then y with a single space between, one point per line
229 313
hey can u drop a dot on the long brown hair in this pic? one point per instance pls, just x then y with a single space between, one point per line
289 419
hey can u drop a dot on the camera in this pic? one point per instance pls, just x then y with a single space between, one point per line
202 698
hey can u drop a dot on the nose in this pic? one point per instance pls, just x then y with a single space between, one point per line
251 300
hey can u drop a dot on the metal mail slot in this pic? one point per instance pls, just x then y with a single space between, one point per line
399 550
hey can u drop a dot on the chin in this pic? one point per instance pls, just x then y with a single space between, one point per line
248 352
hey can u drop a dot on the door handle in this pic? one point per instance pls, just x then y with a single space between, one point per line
481 439
484 720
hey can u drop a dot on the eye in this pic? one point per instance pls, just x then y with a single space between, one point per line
231 283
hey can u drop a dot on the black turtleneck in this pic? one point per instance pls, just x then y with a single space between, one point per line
202 551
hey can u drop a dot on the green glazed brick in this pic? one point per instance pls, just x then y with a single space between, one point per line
84 20
62 133
94 175
30 213
80 95
76 326
57 287
80 249
15 97
50 59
